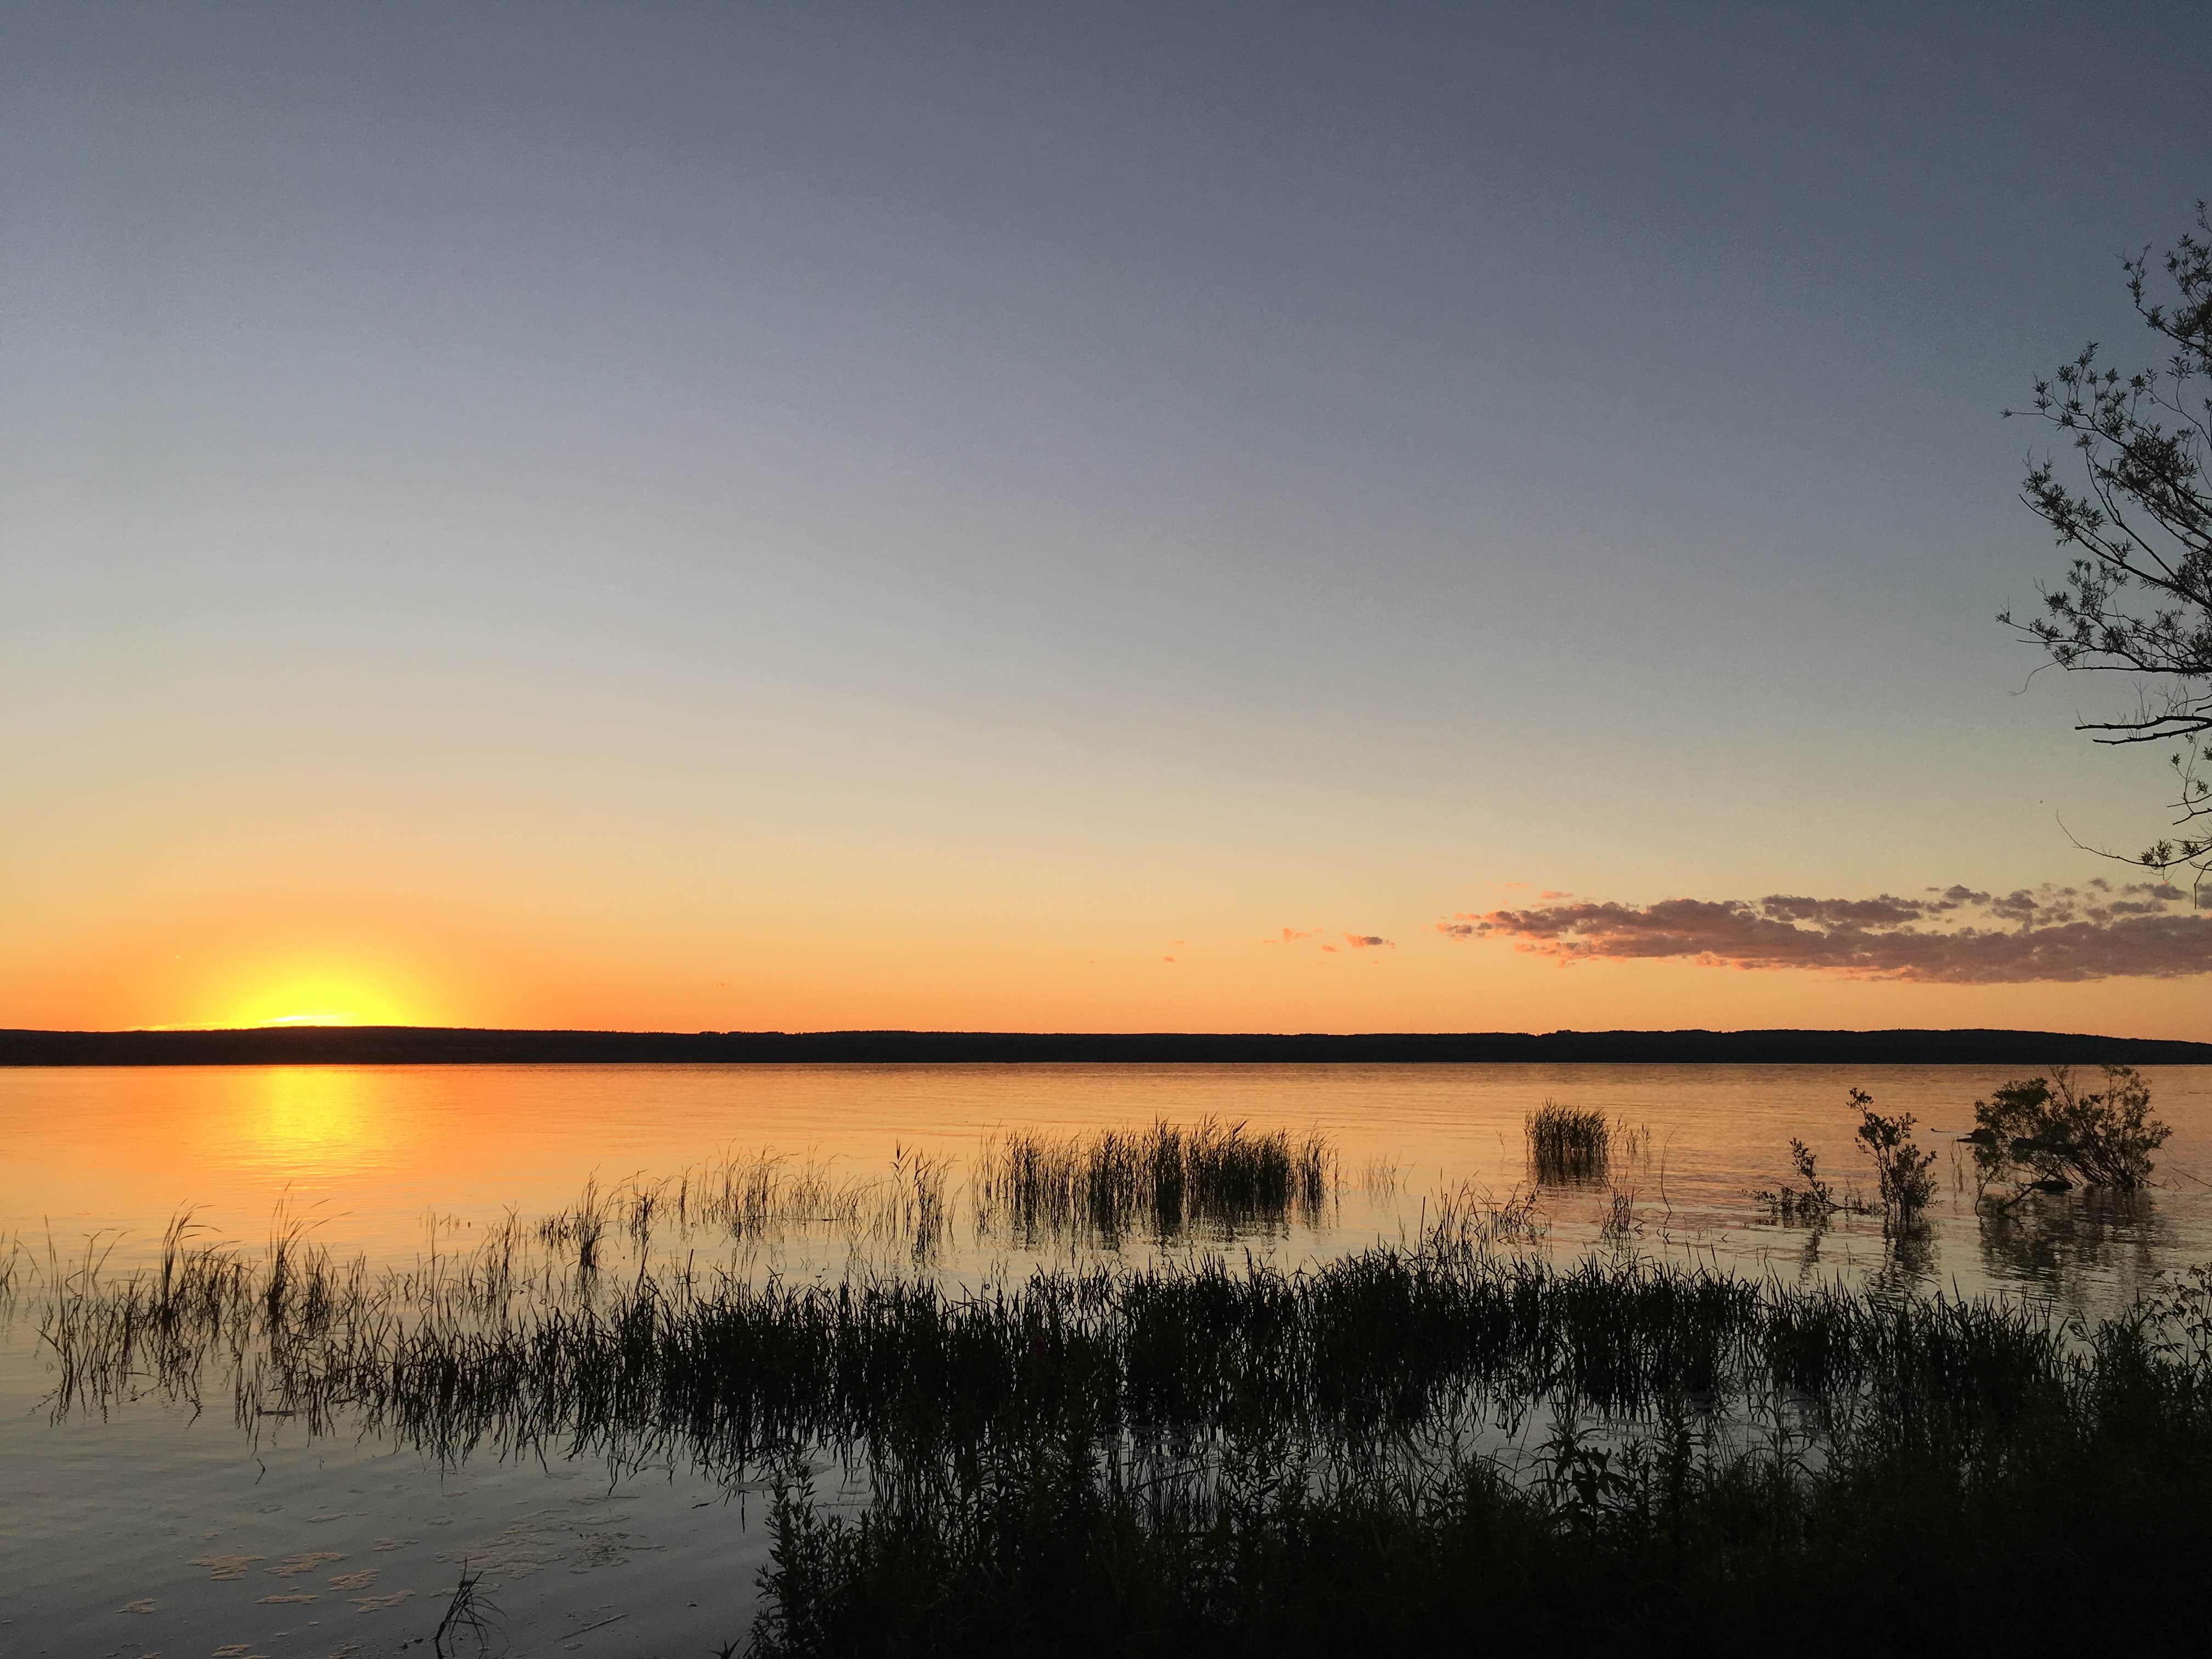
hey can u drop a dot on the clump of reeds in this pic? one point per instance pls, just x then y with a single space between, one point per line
1470 1216
469 1612
914 1207
13 1271
1381 1176
581 1228
1619 1226
1568 1145
1159 1182
754 1199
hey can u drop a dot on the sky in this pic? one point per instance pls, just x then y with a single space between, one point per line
1199 517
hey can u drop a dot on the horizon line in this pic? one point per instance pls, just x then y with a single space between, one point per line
296 1043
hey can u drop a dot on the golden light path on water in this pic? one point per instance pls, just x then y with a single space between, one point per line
366 1153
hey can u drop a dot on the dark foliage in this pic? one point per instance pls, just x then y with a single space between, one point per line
2137 599
1914 1534
1901 1166
2045 1133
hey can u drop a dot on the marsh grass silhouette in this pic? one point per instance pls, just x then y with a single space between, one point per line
758 1198
1187 1453
1887 1541
1568 1145
728 1371
1163 1181
470 1613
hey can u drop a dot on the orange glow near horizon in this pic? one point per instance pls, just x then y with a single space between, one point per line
321 999
1226 983
475 956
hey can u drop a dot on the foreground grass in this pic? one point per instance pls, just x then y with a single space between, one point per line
2080 1533
1733 1470
1442 1447
1356 1357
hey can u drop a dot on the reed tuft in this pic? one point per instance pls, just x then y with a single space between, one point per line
1568 1145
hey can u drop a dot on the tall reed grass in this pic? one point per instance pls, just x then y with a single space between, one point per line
753 1199
1568 1145
473 1348
1162 1182
1894 1534
1226 1453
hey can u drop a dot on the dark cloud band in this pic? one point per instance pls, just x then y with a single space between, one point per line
1955 936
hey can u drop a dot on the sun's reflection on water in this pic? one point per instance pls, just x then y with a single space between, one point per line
371 1151
317 1125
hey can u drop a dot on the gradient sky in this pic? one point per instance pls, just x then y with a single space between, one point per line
952 515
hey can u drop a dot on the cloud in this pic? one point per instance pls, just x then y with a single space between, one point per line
1352 941
2046 934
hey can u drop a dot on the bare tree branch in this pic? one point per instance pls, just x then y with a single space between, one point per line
2137 598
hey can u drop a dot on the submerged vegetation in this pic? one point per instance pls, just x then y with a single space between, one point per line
2046 1134
1123 1453
1905 1182
1192 1454
1901 1166
1160 1181
1568 1145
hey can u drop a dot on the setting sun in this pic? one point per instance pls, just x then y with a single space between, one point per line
288 1007
334 997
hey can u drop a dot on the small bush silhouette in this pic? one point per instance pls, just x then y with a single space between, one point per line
2047 1134
1902 1167
1809 1203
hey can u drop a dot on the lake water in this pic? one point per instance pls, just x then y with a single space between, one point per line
149 1529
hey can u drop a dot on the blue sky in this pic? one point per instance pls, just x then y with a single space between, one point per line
865 489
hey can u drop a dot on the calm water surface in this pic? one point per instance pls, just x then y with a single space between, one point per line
153 1531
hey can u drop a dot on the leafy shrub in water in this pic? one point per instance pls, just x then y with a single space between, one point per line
1809 1204
2047 1132
1902 1170
1902 1167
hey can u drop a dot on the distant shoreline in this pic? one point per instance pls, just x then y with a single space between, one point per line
432 1045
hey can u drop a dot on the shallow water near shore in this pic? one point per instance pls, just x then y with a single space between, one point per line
150 1528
